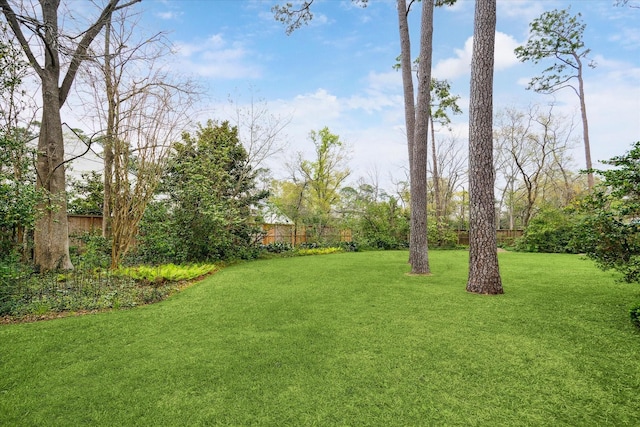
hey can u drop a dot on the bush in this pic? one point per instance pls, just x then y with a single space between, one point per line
634 313
441 236
319 251
277 247
551 230
93 252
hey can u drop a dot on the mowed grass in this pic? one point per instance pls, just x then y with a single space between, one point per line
341 340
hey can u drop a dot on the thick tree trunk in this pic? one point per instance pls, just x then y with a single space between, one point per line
484 274
51 234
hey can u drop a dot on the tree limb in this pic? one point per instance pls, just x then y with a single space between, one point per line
83 46
12 19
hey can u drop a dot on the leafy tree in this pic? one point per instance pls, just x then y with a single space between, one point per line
557 35
376 220
324 176
52 229
484 273
18 197
87 194
442 100
531 149
288 198
610 232
212 196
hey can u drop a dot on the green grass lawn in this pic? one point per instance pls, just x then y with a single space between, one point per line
337 340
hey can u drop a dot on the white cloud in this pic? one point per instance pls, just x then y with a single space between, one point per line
526 11
460 65
215 57
169 15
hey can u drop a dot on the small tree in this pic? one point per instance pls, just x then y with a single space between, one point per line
212 196
557 35
610 233
324 176
18 197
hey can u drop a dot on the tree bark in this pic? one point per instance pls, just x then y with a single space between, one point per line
107 146
51 234
484 273
418 238
585 126
409 102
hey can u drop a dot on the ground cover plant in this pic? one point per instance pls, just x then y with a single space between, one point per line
342 339
25 295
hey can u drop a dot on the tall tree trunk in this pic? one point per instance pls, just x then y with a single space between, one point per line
107 147
418 238
437 195
484 274
51 234
585 126
409 102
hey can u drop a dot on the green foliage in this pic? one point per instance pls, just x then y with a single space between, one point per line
552 230
18 196
319 251
323 177
610 230
212 197
86 195
377 223
93 252
277 247
441 235
155 241
556 35
166 272
23 293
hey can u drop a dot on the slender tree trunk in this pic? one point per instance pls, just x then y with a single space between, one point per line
409 102
484 274
439 211
107 204
585 126
418 238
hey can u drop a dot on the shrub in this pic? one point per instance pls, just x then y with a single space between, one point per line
277 247
93 252
551 230
441 236
349 246
634 313
319 251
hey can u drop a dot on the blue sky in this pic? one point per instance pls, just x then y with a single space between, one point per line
337 71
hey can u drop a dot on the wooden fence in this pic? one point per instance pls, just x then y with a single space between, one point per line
281 233
506 237
288 233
